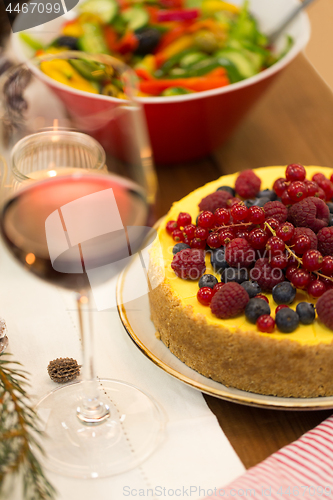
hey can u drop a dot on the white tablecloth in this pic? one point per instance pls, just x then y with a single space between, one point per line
196 456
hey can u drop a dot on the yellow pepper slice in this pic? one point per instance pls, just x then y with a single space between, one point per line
141 94
185 42
87 17
51 50
72 29
148 63
212 6
61 71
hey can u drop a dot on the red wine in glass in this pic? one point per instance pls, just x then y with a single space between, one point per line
24 218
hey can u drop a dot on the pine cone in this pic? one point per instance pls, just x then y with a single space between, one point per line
3 344
3 328
63 370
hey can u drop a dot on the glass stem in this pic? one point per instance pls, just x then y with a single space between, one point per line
92 410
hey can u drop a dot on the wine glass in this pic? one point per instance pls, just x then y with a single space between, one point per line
76 229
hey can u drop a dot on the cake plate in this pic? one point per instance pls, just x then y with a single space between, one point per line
133 308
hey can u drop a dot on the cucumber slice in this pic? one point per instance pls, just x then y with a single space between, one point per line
203 67
255 54
245 67
135 17
233 73
256 59
105 9
177 73
92 41
90 70
190 59
210 63
175 91
232 43
255 48
170 63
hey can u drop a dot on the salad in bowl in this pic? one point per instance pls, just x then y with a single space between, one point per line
201 65
175 49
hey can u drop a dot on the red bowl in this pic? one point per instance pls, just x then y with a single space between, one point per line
189 129
185 127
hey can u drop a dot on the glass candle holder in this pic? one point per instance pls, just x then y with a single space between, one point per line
55 152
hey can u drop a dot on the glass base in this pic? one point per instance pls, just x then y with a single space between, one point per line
131 433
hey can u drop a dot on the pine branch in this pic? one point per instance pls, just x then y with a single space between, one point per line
19 429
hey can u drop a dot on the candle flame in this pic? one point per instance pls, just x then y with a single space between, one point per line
30 258
55 128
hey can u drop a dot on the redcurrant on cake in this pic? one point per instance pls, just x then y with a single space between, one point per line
242 281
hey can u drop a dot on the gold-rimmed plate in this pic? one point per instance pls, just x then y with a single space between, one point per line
135 316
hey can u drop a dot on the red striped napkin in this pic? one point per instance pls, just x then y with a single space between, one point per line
303 470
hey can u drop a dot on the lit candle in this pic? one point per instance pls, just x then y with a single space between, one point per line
45 173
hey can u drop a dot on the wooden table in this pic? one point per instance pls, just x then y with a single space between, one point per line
292 123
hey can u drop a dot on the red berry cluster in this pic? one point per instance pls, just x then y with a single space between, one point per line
295 187
218 228
262 240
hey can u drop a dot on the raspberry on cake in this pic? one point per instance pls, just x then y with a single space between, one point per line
311 212
265 275
325 309
239 253
221 341
214 200
247 184
325 240
277 210
229 301
189 264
